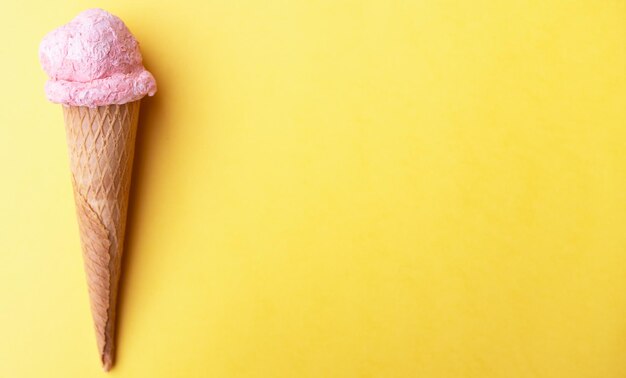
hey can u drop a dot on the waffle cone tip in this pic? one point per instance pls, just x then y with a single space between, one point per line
107 361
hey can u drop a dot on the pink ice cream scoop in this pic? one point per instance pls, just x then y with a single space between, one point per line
94 60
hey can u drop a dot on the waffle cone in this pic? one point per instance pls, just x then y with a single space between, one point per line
101 143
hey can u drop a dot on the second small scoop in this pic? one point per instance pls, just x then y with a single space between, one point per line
94 60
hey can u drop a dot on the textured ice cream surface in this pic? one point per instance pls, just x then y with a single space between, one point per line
94 60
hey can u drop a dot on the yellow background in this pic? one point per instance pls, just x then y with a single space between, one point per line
335 189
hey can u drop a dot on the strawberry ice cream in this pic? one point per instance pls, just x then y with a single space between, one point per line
94 60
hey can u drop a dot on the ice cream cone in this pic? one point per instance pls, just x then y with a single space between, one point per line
101 143
96 71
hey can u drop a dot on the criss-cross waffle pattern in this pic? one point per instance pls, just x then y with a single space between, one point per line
101 145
